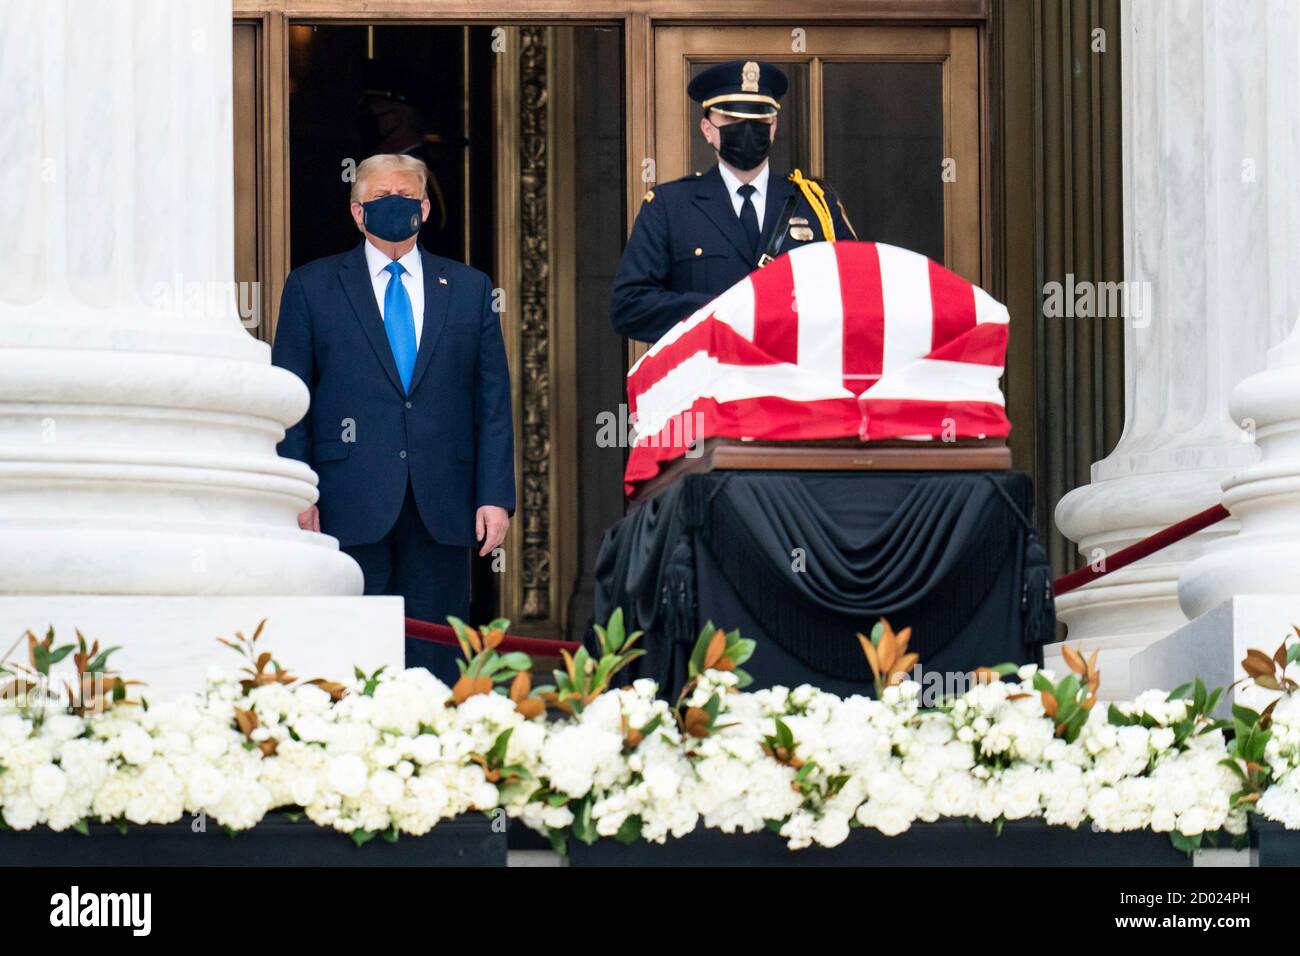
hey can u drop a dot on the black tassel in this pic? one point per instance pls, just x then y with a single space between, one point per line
1037 602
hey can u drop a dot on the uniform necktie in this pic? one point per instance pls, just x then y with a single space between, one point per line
749 216
399 323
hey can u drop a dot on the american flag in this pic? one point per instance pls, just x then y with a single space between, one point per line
828 341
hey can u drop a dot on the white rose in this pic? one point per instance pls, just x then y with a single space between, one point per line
135 745
347 774
206 785
1193 822
48 785
386 787
63 726
425 749
210 746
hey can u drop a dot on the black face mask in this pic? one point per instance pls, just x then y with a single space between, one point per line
744 143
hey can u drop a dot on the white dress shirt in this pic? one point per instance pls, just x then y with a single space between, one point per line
412 279
759 183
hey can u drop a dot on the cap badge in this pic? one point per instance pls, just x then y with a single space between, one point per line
749 77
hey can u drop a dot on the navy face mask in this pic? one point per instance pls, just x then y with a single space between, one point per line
392 217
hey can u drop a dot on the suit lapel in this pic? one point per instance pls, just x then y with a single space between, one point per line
436 296
354 274
712 198
778 189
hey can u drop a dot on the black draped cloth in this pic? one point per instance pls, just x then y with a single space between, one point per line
803 561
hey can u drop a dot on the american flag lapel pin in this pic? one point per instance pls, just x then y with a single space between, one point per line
441 281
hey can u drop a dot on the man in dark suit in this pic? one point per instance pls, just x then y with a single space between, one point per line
697 236
410 425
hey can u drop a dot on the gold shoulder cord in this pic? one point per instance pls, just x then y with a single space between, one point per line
817 199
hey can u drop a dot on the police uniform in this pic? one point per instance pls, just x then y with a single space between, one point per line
688 243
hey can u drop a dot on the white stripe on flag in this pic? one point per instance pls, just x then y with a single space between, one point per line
989 309
937 380
703 376
821 310
736 308
909 315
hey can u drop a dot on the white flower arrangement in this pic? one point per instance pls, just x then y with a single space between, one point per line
395 753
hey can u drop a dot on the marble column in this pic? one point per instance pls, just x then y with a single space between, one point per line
138 417
1209 125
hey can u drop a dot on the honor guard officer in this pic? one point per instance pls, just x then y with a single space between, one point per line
697 236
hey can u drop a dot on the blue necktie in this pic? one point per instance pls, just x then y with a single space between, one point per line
399 323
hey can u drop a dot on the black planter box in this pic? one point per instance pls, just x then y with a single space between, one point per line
1277 845
942 843
468 840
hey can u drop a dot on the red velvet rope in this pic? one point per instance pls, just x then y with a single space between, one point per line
533 646
1140 549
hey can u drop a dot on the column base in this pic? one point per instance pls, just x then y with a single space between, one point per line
1212 646
170 642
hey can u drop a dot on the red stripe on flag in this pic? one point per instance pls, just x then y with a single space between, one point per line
952 300
712 336
776 323
885 418
765 418
864 313
986 344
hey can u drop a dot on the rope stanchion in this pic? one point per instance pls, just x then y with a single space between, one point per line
1141 549
532 646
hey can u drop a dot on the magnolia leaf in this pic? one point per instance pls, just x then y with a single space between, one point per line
630 831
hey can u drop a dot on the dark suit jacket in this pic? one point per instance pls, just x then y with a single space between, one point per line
451 437
688 246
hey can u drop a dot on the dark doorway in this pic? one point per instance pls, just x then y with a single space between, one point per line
422 90
358 89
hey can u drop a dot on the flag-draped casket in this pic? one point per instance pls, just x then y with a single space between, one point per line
831 340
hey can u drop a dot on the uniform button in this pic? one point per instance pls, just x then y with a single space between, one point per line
408 405
401 454
699 251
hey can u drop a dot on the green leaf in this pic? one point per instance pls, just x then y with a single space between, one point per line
82 827
1244 715
390 834
696 666
1235 767
630 831
614 631
1185 844
498 752
742 650
784 735
559 841
362 837
517 661
584 828
59 653
711 707
1213 702
458 627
